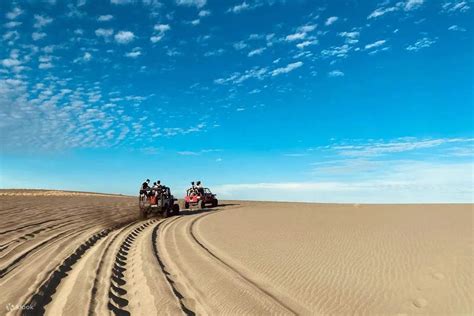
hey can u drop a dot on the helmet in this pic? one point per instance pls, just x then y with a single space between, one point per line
158 181
198 183
192 183
147 180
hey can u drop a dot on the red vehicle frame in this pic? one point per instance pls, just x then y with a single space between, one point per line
200 199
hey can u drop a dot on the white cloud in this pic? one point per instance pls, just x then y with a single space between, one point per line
12 24
14 13
11 62
124 37
421 43
257 51
11 36
295 36
87 56
239 45
237 78
375 44
307 28
134 53
412 4
350 37
204 13
377 172
337 51
105 33
105 18
456 28
84 59
455 6
304 44
121 1
45 65
216 52
381 11
378 148
41 21
287 69
239 7
336 73
156 38
391 182
331 20
162 27
36 36
196 3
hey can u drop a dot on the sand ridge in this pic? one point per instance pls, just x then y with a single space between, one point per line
91 255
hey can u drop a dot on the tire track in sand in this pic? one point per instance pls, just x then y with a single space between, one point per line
206 282
44 293
242 275
136 283
179 296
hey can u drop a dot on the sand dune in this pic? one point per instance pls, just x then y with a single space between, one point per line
70 254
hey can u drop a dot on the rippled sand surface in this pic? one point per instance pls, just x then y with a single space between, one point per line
87 254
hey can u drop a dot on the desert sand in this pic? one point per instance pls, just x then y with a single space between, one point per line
88 254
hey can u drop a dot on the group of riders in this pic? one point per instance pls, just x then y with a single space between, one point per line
152 190
157 188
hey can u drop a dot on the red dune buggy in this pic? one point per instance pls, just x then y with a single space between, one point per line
161 202
200 198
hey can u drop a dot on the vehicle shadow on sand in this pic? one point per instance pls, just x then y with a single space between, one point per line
191 211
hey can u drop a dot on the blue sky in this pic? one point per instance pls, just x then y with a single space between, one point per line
331 101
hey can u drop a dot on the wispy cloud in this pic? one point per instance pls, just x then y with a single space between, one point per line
160 30
105 18
395 146
424 42
195 3
290 67
375 44
295 36
257 51
136 52
331 20
244 6
14 13
41 21
105 33
456 28
455 6
336 73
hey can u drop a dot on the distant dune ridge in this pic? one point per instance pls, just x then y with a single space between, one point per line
76 253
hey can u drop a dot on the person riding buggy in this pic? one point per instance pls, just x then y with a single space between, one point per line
198 195
157 199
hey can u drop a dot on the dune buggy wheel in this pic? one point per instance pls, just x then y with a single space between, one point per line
214 203
143 213
175 209
186 205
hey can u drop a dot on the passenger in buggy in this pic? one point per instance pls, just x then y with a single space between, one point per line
145 187
199 188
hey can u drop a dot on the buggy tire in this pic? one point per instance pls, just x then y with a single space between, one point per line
143 213
215 203
175 209
186 205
